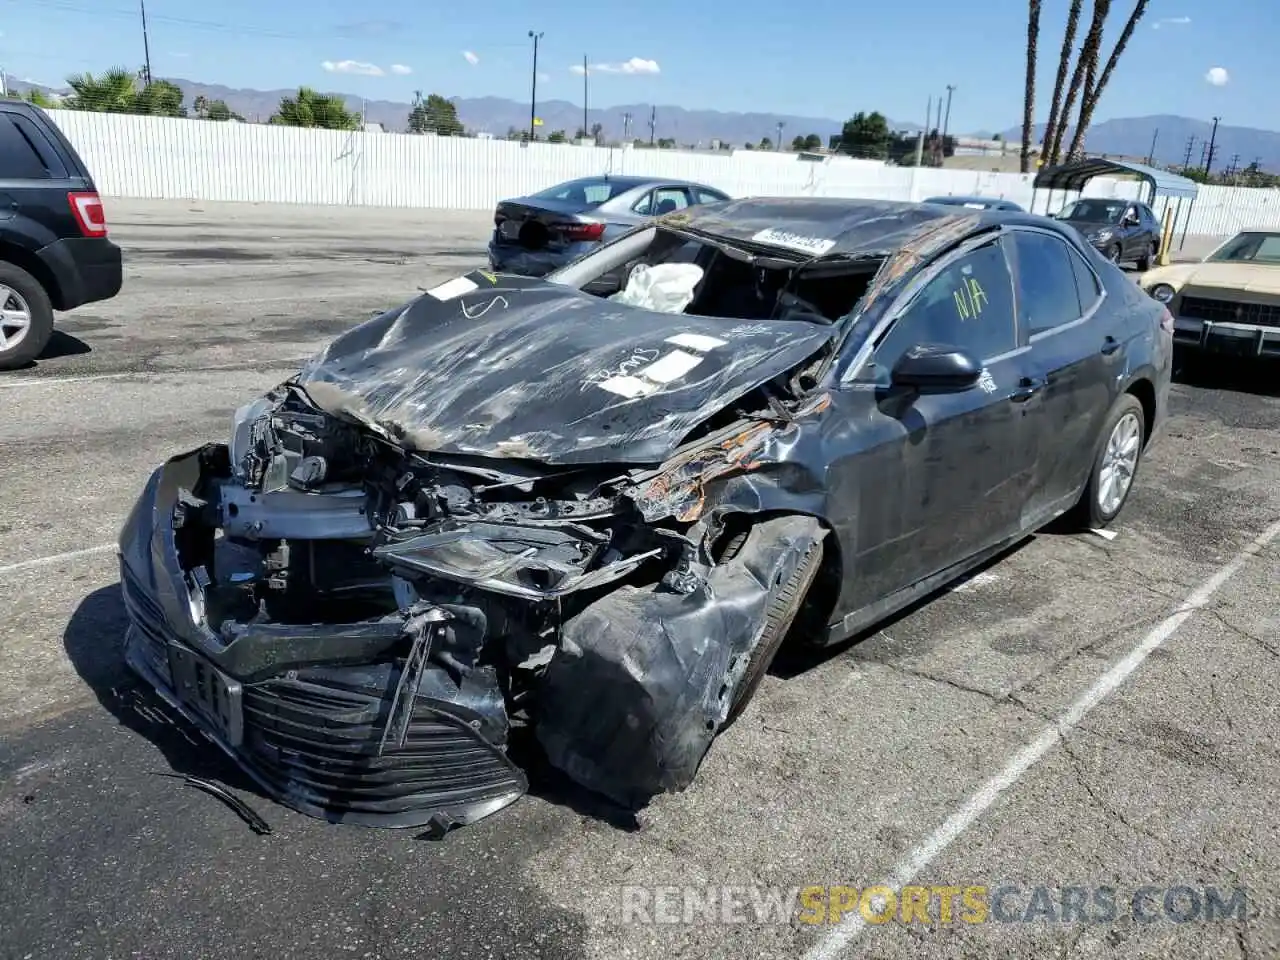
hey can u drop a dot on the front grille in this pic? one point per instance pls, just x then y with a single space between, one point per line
315 741
1228 311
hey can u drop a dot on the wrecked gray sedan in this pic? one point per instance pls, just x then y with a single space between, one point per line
593 506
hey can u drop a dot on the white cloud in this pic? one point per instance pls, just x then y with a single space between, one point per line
544 78
636 65
353 66
1171 22
400 70
470 57
1217 76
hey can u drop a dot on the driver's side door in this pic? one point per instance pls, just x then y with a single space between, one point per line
938 476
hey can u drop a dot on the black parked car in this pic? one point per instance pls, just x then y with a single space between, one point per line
54 251
511 502
1121 230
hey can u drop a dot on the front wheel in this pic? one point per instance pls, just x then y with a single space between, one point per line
1113 253
1114 465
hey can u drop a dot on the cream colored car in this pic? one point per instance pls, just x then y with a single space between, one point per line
1228 303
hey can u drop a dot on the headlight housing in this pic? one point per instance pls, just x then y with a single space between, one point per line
1162 292
1103 235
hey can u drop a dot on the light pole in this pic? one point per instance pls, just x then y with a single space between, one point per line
146 47
533 95
781 125
946 122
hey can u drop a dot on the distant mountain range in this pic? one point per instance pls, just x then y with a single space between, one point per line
1133 136
1130 136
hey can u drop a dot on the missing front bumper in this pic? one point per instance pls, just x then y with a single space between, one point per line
306 710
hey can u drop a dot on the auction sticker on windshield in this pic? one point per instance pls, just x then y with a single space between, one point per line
795 241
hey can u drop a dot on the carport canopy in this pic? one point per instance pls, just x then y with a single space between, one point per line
1074 175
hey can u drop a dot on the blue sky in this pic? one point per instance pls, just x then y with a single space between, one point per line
818 58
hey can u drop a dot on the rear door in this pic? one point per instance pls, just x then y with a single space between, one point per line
1074 355
936 477
38 178
662 200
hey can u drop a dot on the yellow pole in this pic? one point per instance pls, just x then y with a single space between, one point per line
1166 238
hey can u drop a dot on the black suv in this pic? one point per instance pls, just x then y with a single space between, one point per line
54 251
1121 230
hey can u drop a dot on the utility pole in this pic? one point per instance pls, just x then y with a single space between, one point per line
938 126
626 128
146 46
533 93
1204 155
1212 139
1186 161
781 124
586 131
1151 154
924 134
653 123
946 122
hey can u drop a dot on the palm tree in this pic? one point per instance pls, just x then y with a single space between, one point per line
1094 90
1064 61
311 109
1088 53
114 91
1029 94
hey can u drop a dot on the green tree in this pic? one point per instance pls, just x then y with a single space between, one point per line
812 143
40 99
797 143
218 110
160 99
865 135
596 130
113 91
435 114
311 109
766 143
666 143
556 136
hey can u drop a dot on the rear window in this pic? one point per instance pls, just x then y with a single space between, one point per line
19 157
589 192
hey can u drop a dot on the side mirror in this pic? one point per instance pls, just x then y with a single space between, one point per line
936 368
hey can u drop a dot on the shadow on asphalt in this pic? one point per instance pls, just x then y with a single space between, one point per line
1258 377
61 344
794 659
94 642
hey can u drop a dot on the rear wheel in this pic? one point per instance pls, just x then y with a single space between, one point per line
1147 261
1114 466
779 617
26 317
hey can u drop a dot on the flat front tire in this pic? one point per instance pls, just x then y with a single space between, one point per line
1115 464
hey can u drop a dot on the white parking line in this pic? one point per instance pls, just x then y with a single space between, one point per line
990 792
57 558
89 377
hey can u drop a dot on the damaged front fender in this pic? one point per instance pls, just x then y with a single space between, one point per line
644 678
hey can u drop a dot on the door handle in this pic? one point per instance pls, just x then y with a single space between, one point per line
1027 388
1110 345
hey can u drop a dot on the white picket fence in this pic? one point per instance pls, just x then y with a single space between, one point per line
162 158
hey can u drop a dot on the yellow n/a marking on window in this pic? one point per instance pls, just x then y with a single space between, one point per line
970 299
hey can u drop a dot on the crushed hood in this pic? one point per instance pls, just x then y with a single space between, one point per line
501 366
1257 278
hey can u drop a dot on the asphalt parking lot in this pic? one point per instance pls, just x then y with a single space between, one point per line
1087 712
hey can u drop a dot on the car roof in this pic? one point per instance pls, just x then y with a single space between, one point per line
856 228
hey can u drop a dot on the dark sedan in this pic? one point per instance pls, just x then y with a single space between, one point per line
536 234
1123 231
511 503
977 203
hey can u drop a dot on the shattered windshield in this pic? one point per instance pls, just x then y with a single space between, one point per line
1094 211
1248 248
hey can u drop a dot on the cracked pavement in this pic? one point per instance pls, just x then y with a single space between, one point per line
841 765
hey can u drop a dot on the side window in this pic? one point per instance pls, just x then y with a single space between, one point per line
707 196
1087 288
1046 282
663 200
19 160
968 305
